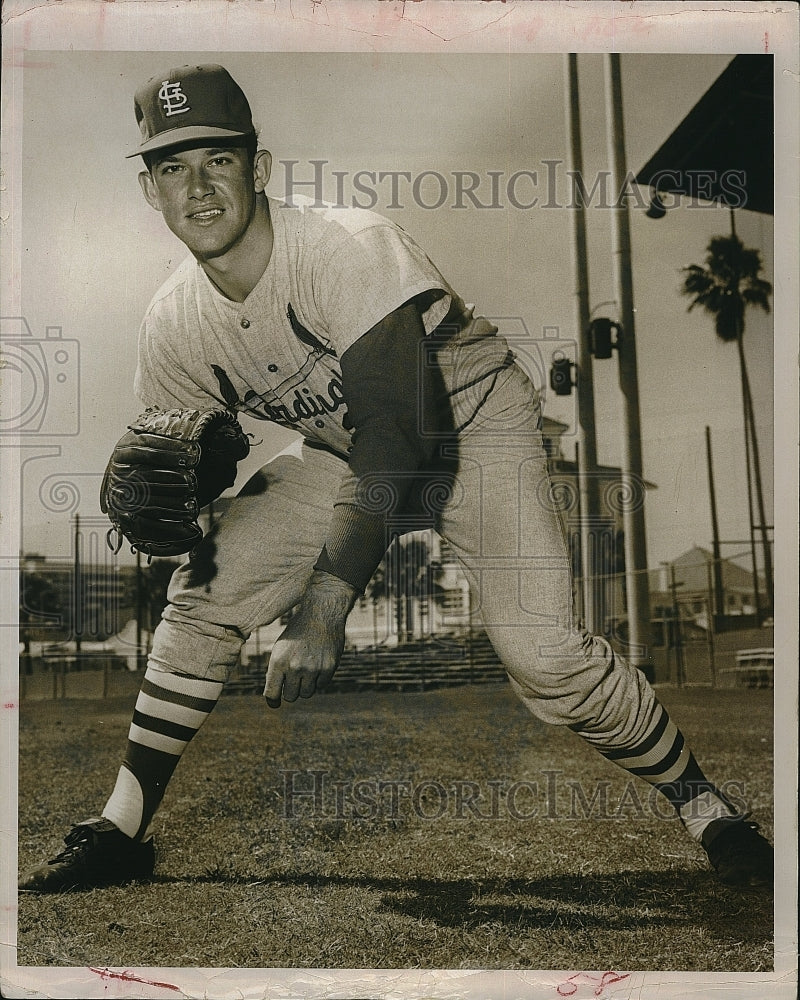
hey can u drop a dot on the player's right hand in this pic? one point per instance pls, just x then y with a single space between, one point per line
305 657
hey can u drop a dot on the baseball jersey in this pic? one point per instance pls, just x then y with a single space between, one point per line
333 274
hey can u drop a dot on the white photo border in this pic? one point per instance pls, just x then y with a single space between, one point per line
426 26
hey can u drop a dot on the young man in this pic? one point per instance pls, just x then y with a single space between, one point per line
335 323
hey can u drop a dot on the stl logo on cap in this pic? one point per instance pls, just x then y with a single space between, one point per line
205 101
174 100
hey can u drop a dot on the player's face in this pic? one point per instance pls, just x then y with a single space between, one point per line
207 196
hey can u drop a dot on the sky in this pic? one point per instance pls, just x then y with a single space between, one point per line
93 252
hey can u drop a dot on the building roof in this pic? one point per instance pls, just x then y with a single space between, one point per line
565 466
731 128
552 432
691 571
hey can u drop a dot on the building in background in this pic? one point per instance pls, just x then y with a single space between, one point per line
694 580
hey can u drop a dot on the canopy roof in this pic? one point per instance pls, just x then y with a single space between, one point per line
723 149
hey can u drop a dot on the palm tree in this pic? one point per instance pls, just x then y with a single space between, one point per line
377 592
728 283
405 564
406 575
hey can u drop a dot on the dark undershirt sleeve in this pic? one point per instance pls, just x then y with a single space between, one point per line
390 398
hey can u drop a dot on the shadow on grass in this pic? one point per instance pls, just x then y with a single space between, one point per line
625 900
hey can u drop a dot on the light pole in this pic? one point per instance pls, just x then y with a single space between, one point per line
719 603
77 620
637 587
680 666
140 655
587 440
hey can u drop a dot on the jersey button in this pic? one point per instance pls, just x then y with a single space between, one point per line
272 368
319 423
245 324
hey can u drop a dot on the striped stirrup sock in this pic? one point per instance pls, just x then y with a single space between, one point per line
169 710
664 760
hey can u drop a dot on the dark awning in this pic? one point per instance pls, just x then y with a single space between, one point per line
723 149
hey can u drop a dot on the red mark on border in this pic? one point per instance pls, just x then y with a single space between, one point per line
570 986
128 977
766 41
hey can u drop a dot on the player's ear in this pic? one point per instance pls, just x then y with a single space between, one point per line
262 168
149 189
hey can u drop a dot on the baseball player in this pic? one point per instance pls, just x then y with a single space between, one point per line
335 323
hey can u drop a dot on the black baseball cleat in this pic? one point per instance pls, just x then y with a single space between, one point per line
741 857
97 854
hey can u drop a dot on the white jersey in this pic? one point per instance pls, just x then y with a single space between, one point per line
333 275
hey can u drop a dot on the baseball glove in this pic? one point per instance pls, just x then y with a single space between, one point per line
163 471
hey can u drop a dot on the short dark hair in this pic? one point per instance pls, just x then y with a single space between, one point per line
249 143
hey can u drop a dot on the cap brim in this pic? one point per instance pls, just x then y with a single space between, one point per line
179 136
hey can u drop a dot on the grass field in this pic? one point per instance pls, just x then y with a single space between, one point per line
456 872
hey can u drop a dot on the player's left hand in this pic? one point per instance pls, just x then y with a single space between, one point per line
305 657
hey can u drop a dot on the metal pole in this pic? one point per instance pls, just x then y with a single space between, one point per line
637 586
139 612
587 440
470 640
669 630
719 605
78 586
756 588
680 673
710 629
583 605
762 520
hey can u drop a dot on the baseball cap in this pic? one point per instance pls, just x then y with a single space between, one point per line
188 103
